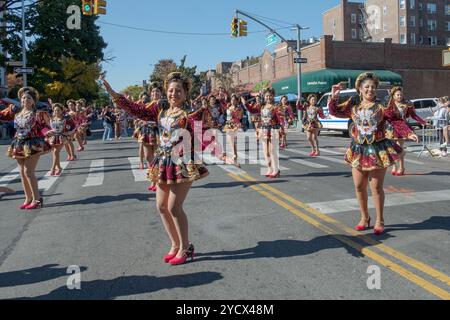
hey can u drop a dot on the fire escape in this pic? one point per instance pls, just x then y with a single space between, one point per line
365 37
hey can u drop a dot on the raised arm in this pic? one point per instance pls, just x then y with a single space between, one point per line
412 113
343 110
9 113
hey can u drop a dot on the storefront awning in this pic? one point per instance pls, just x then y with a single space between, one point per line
321 81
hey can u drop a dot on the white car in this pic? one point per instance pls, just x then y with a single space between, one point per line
425 108
339 124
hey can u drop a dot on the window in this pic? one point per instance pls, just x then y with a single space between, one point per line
447 9
421 23
384 10
353 18
334 23
385 28
447 27
412 4
431 8
403 38
432 25
412 21
361 34
402 21
413 38
420 6
421 40
361 18
432 41
353 33
402 4
448 41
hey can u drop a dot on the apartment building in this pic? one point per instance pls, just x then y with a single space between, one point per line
415 22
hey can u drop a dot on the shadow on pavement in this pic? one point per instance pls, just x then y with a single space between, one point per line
105 199
127 286
285 249
33 275
433 223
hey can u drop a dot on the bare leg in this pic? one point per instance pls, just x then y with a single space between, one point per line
26 186
30 168
376 178
265 144
149 151
162 204
54 156
178 193
310 137
401 162
315 138
361 179
141 153
57 157
274 156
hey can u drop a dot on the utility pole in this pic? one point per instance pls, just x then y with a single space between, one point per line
298 28
24 50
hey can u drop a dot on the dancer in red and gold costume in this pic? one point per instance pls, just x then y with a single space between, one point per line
397 113
311 122
289 118
370 152
62 127
29 142
172 169
234 114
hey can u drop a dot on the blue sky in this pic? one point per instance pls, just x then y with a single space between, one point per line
135 51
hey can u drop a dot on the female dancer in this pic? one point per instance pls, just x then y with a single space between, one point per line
173 176
78 120
29 143
370 152
397 113
70 148
255 116
82 123
138 125
289 118
272 119
311 123
59 135
234 115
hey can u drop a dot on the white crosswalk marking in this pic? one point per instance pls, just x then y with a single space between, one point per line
393 199
5 180
304 153
414 162
96 174
332 152
139 175
47 181
253 160
304 162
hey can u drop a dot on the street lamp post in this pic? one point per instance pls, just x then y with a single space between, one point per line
24 50
298 28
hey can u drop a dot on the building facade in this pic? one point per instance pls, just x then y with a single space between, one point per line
416 22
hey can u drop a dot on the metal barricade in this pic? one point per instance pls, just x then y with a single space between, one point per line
432 138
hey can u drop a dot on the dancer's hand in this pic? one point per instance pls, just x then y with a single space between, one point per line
413 137
106 85
336 90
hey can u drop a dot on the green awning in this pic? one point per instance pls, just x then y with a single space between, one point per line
321 81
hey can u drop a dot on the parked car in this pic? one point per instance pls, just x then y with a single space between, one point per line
339 124
424 108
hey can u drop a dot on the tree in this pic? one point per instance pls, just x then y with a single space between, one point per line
162 69
52 42
134 91
225 81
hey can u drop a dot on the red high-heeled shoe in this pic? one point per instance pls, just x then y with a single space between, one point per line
379 230
189 253
35 204
24 206
141 166
363 227
169 256
276 175
311 154
58 172
400 173
52 173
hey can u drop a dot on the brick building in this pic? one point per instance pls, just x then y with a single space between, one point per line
404 21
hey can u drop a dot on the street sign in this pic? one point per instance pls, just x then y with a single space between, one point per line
446 58
24 70
271 39
300 60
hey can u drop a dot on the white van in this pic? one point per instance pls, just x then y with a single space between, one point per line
339 124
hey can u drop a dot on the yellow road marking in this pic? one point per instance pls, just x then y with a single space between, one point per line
428 286
394 253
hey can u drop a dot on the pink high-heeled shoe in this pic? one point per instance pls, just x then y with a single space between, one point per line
25 205
189 253
35 204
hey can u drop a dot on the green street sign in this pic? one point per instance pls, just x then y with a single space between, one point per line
271 39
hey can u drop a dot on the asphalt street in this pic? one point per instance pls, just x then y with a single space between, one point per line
255 238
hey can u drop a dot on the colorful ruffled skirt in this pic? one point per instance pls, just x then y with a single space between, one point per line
163 170
312 125
58 140
146 136
25 148
267 132
401 130
378 155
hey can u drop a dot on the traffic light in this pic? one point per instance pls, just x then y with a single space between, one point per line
99 7
87 7
242 28
235 27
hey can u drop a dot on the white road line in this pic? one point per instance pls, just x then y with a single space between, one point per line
139 175
47 181
309 164
5 180
96 174
392 199
304 153
331 152
414 162
253 160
